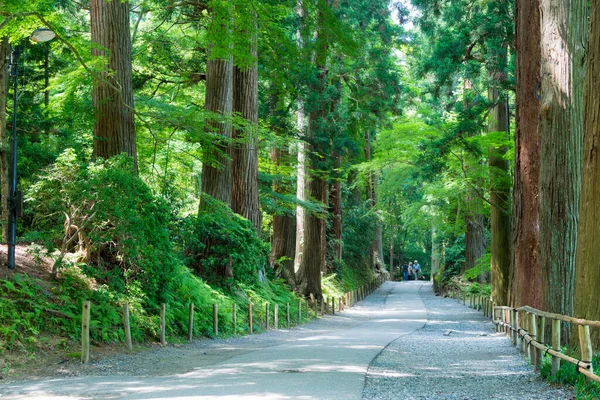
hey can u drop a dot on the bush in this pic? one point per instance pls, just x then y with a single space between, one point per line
105 215
221 246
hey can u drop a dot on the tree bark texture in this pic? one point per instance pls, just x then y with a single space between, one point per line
436 252
4 146
301 166
526 278
283 244
563 34
301 195
112 96
334 233
500 199
474 239
217 176
588 248
245 149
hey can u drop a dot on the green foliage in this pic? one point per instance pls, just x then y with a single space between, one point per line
568 375
220 244
121 225
482 266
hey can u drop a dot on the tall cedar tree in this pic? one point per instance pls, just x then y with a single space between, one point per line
588 247
114 129
217 175
563 36
245 151
526 281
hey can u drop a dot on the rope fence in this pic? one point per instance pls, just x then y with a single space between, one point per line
525 327
267 316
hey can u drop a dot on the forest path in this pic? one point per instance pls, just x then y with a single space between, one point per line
327 358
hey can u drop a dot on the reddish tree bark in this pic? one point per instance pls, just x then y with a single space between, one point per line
217 174
114 129
245 150
526 281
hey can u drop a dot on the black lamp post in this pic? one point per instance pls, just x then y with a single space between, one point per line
40 35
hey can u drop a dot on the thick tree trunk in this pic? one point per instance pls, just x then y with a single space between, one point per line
474 239
526 281
313 260
336 210
245 150
217 174
436 252
301 167
500 199
301 195
283 244
588 248
114 129
4 153
370 192
564 32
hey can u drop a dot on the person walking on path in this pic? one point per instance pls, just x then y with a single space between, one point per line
417 270
410 270
405 272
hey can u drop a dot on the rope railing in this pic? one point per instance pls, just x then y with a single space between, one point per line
527 325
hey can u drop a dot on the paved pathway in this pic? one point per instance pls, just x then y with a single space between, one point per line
325 359
330 362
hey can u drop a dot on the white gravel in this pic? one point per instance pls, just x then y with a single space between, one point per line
473 362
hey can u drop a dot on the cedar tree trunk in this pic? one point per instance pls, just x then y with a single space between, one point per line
112 96
563 34
526 281
588 247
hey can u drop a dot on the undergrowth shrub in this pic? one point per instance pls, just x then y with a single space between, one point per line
221 246
568 375
103 212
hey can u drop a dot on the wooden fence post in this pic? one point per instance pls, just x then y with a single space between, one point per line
234 317
163 323
276 316
306 309
322 306
299 311
585 344
127 327
315 308
85 332
555 345
287 314
191 322
267 317
216 319
250 318
525 327
541 332
513 324
533 351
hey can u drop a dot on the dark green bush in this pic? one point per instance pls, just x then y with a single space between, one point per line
121 227
221 246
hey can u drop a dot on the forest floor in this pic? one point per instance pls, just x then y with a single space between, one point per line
54 355
389 346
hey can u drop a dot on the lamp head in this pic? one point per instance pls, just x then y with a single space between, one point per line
42 35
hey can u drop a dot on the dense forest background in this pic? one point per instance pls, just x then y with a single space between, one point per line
174 151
